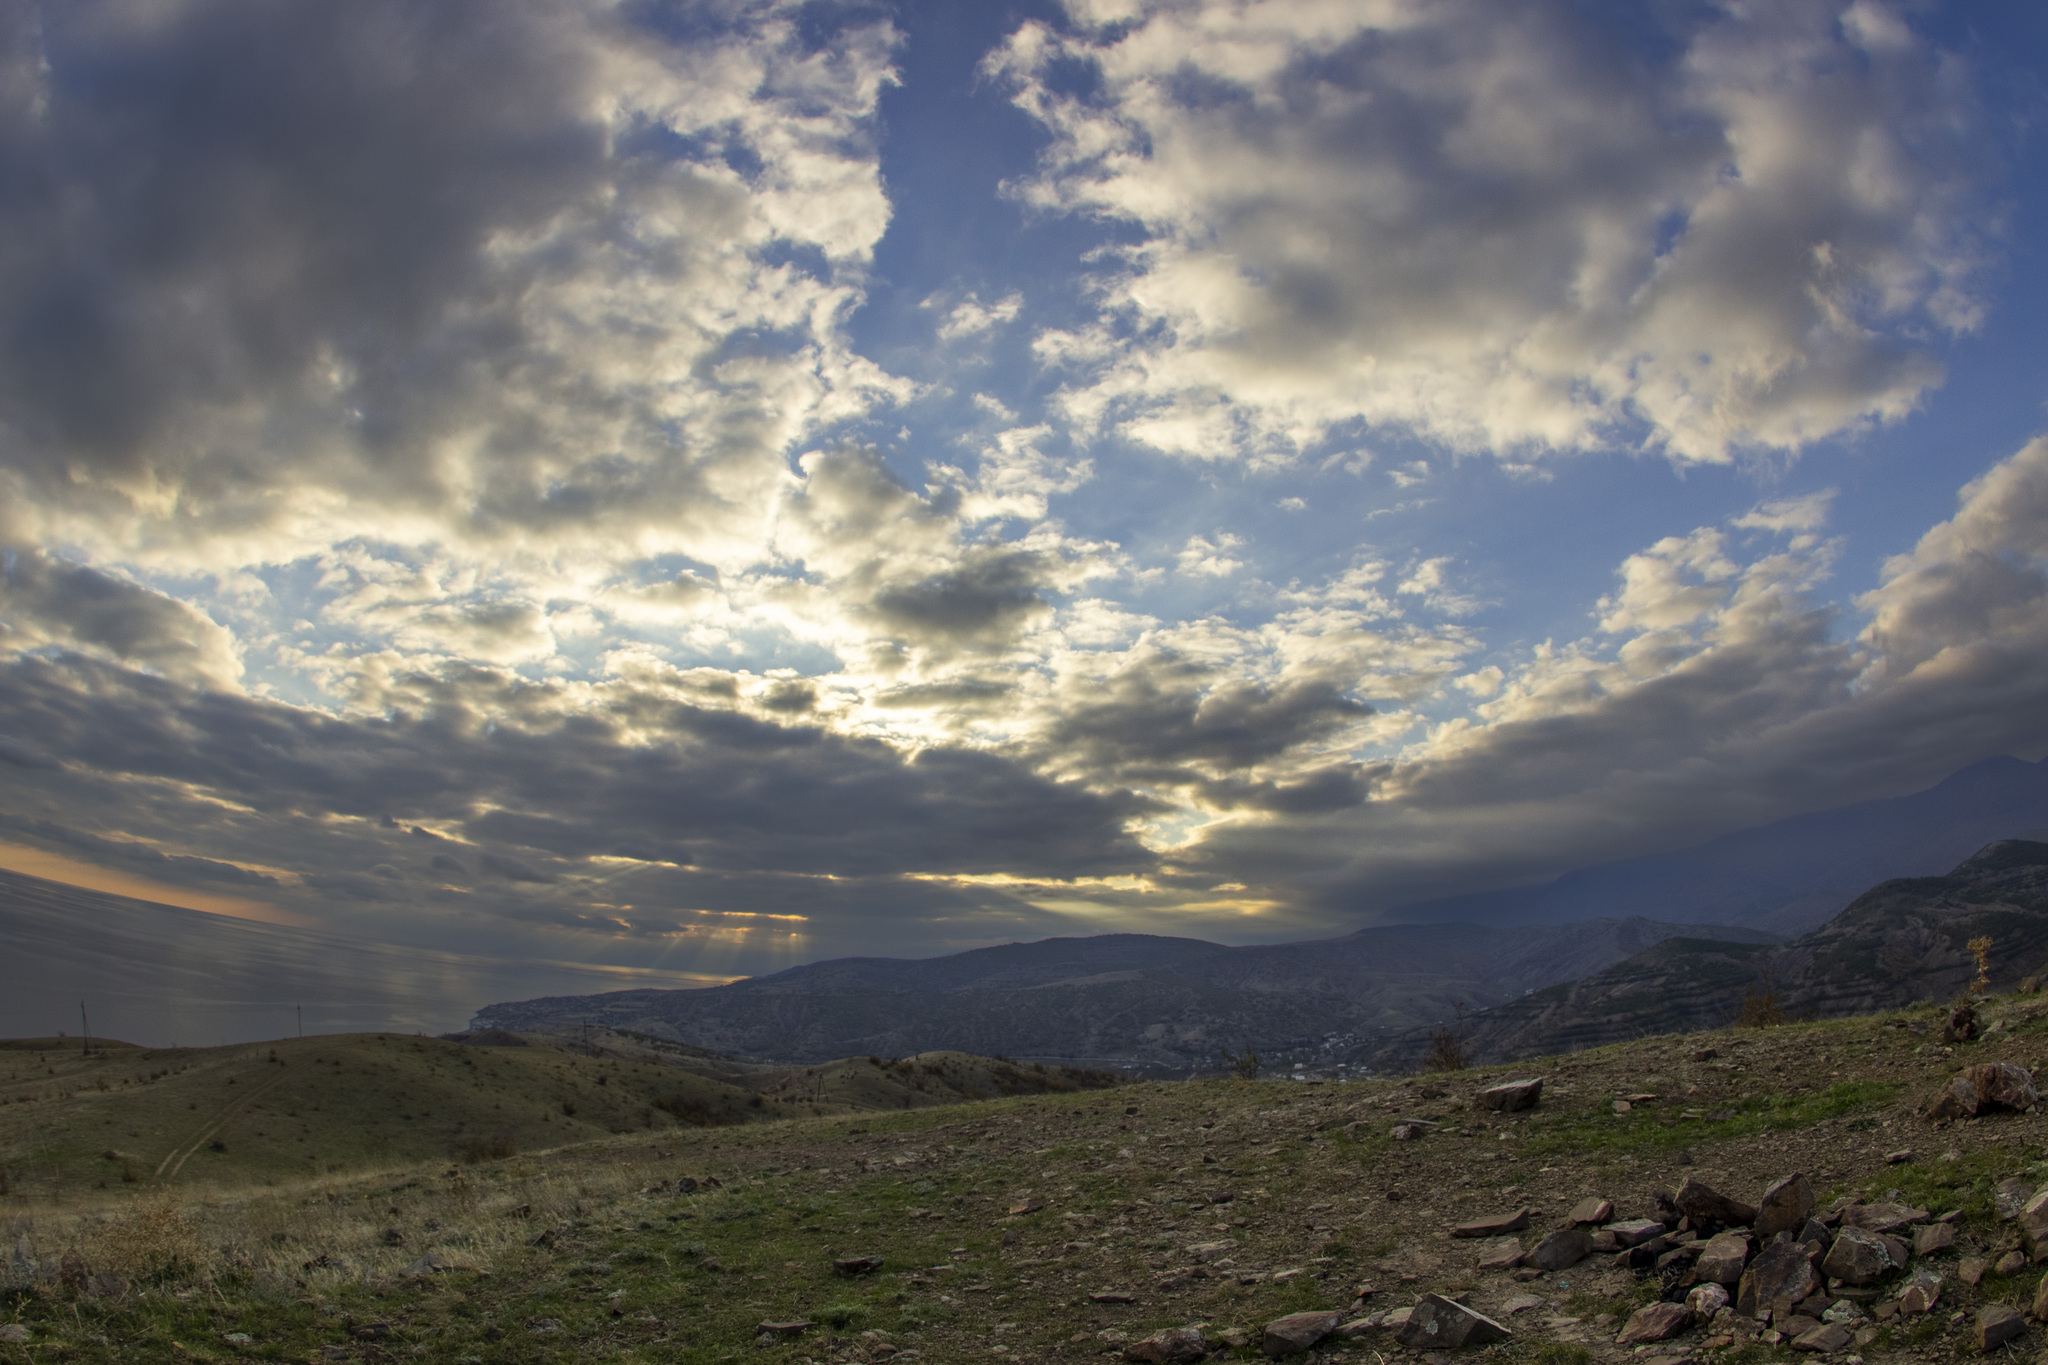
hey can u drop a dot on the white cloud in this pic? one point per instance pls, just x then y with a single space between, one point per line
971 317
1210 557
1471 221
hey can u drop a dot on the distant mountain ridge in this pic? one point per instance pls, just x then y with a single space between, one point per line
1789 876
1903 941
1119 998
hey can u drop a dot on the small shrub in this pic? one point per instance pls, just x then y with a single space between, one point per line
568 1109
1243 1065
1446 1051
1562 1353
841 1315
1980 948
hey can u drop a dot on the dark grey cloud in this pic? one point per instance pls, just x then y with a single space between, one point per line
539 782
46 601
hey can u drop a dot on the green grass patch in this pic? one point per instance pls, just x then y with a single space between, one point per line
1592 1131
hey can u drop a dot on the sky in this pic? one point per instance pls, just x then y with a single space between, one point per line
713 484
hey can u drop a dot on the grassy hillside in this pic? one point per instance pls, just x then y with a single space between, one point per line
120 1115
1002 1222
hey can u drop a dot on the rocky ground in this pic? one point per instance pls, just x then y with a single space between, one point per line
1077 1227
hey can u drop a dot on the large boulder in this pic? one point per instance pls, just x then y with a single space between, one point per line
1440 1324
1510 1096
1780 1271
1702 1203
1986 1086
1859 1257
1785 1207
1297 1332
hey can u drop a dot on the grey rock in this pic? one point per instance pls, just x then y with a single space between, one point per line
1654 1322
1932 1238
14 1334
1406 1132
1494 1225
2039 1311
1996 1325
1921 1293
1702 1203
1510 1096
1211 1251
1297 1332
1882 1217
1440 1324
1592 1211
1705 1300
1635 1231
1562 1249
1785 1206
1859 1257
1722 1259
1780 1271
856 1265
433 1263
22 1265
1173 1346
2033 1221
2009 1196
1500 1254
1825 1339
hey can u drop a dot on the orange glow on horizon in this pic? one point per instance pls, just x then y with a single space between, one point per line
56 867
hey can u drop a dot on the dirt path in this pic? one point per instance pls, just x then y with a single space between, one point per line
181 1155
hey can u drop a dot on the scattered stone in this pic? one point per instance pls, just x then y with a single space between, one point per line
1510 1096
1898 1158
1825 1339
1932 1238
856 1265
1173 1346
1654 1322
1844 1311
433 1263
1022 1207
14 1334
1405 1132
2033 1221
1211 1251
1785 1207
1296 1332
1971 1270
1881 1217
1500 1254
795 1327
1622 1106
1722 1259
1702 1203
1236 1338
2009 1196
1921 1293
1780 1271
1791 1325
1705 1054
2012 1263
237 1338
2039 1311
1604 1241
1706 1300
1635 1231
1996 1325
1859 1257
685 1184
1562 1250
1112 1296
1493 1226
1520 1303
1592 1211
1961 1026
1440 1324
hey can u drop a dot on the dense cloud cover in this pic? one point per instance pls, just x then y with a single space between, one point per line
501 474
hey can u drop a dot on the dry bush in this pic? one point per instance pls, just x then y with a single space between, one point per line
1762 1010
152 1240
1446 1051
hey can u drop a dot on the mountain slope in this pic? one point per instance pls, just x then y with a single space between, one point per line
1123 998
1789 876
1902 941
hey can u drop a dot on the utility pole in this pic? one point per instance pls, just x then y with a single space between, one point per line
85 1028
301 1010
